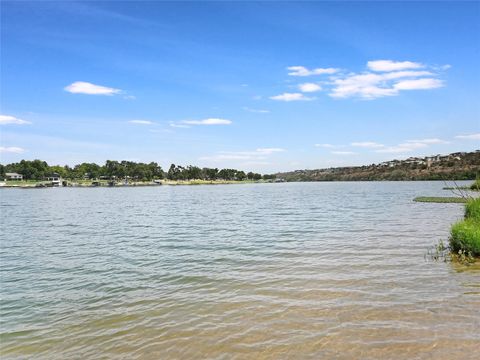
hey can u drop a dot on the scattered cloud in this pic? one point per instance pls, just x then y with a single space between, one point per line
309 87
291 97
328 146
468 137
269 150
82 87
367 144
343 152
259 155
7 120
402 148
429 141
419 84
389 65
303 71
12 149
260 111
174 125
141 122
381 78
210 121
372 85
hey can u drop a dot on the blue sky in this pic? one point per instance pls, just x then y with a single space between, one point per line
264 86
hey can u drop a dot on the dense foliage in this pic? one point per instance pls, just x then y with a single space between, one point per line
465 235
39 170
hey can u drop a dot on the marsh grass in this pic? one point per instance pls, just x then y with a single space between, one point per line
440 199
465 234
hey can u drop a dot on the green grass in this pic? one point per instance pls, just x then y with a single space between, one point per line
465 235
475 185
472 210
438 199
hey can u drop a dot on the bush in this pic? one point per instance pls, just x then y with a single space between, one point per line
472 209
466 237
475 185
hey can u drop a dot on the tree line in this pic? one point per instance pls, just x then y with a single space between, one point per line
40 170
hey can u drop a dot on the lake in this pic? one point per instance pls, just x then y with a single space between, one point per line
257 271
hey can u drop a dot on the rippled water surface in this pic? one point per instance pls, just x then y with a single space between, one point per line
258 271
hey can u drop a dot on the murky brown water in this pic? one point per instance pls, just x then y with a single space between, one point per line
267 271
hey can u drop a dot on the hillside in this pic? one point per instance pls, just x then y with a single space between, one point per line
459 166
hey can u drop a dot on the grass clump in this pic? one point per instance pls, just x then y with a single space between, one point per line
465 235
438 199
475 185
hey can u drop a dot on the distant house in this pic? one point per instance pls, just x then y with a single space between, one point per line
55 178
13 176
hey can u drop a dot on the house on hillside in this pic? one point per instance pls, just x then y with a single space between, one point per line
13 176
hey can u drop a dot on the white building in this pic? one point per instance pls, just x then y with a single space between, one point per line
13 176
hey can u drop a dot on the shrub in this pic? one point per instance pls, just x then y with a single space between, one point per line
465 237
472 210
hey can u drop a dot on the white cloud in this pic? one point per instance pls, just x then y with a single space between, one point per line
343 152
257 155
368 144
82 87
210 121
329 146
370 85
303 71
260 111
309 87
141 122
429 141
179 126
11 149
468 137
7 119
269 150
419 84
290 97
389 65
402 148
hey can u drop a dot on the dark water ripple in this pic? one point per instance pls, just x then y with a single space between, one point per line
266 271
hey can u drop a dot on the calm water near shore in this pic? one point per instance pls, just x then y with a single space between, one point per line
260 271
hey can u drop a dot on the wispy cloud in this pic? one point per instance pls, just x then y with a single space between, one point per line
433 141
381 78
141 122
291 97
8 119
343 152
269 150
82 87
402 148
327 146
468 137
309 87
181 126
419 84
260 111
12 149
369 85
210 121
389 65
367 144
259 154
303 71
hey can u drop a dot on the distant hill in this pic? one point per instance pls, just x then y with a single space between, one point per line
458 166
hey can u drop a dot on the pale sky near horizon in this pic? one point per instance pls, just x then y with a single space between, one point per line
262 86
